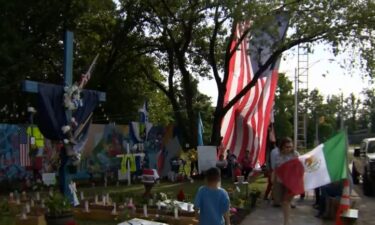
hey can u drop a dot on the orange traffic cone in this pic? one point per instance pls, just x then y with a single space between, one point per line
344 202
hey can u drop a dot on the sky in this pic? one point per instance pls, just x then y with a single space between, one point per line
336 80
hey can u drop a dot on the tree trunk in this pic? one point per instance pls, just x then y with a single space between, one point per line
190 138
218 117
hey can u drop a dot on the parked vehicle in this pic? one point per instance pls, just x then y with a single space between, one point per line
364 165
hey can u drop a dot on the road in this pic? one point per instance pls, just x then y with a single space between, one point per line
366 207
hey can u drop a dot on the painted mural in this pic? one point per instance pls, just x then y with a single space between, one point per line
10 165
101 150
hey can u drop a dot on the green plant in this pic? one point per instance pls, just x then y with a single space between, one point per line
255 192
4 208
58 205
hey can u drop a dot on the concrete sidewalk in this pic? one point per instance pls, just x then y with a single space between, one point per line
304 214
266 214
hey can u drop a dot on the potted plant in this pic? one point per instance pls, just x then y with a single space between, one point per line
59 210
254 195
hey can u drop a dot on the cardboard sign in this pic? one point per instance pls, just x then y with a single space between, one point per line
49 178
206 157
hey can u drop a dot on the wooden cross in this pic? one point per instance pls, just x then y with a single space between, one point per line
32 87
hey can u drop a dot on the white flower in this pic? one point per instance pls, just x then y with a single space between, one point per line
65 129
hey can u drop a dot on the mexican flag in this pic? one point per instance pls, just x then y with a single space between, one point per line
325 164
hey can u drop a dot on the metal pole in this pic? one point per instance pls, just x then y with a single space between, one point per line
316 131
342 112
295 108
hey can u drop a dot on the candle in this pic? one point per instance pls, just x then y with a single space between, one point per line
96 199
50 192
145 210
175 212
158 205
38 196
42 204
150 202
103 199
189 207
87 206
114 211
27 208
23 215
82 196
11 196
32 204
18 200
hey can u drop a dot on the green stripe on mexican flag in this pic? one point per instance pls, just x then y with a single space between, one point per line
325 164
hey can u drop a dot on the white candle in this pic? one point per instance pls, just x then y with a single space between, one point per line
27 208
11 196
145 210
24 197
175 212
32 204
42 204
38 196
96 199
87 206
158 205
104 200
82 196
18 200
50 192
114 211
23 216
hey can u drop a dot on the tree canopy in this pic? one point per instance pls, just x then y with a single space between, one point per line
159 50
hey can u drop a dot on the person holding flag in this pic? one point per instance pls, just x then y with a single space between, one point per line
325 164
281 191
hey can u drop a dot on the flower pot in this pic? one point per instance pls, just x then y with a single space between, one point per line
60 219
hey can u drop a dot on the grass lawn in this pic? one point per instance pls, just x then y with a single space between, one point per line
136 191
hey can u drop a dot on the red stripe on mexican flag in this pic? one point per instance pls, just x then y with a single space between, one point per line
325 164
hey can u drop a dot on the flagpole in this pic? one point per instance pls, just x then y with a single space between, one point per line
295 109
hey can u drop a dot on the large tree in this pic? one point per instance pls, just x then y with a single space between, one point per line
190 37
31 48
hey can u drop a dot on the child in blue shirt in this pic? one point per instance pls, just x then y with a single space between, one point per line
211 201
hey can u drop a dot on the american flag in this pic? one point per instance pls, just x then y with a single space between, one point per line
245 125
24 148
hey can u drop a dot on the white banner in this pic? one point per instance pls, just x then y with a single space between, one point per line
206 157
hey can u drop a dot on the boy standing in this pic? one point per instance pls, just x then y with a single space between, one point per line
212 201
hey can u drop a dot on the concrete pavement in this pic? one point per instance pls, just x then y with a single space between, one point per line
266 214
